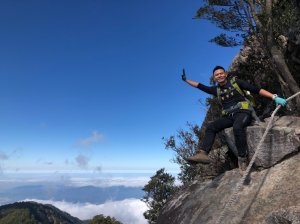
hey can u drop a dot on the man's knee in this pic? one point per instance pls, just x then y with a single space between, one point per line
211 128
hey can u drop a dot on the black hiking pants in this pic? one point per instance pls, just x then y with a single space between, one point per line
239 121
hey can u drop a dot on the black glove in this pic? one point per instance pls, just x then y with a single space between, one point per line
183 76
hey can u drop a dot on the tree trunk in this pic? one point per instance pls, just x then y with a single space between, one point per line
286 75
278 57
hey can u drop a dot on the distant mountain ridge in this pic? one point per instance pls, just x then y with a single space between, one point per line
90 194
34 213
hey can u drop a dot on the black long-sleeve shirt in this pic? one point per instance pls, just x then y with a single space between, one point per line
229 100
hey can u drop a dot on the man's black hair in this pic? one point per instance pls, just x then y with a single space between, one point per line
218 67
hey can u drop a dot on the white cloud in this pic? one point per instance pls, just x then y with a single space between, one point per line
17 152
109 182
98 169
82 161
3 156
129 211
76 179
91 140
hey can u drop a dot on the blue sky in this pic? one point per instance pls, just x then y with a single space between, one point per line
94 85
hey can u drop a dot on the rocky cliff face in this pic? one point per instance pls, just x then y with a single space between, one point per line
271 194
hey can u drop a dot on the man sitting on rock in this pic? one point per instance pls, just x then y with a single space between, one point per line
236 113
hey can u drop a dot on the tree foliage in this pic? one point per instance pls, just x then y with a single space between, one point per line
101 219
224 40
185 144
160 187
243 18
228 16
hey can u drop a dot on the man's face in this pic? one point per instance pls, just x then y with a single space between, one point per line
220 76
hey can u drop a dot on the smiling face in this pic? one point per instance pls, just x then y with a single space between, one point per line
220 76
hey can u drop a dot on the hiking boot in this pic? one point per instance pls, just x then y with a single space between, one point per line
243 163
200 157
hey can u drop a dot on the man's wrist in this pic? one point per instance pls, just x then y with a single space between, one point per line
274 96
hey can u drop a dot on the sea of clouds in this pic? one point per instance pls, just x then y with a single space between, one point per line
128 211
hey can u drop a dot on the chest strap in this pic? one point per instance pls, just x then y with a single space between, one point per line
243 105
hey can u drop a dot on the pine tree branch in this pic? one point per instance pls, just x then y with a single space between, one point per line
254 14
248 16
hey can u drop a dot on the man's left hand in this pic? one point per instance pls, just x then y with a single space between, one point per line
280 101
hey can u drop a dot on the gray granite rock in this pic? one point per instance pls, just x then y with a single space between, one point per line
282 140
261 200
289 215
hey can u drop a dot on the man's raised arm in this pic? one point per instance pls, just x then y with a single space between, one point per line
190 82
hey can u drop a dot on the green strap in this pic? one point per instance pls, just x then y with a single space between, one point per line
248 98
219 93
236 86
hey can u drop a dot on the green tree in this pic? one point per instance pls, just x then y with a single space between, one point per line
160 187
266 20
185 144
101 219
